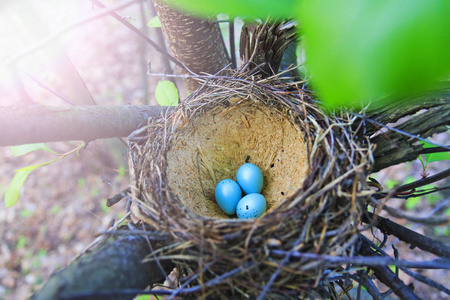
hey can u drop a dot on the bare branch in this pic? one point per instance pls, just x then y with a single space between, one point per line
33 124
142 35
413 238
424 181
386 276
50 38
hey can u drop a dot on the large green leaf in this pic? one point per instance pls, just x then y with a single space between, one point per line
361 50
166 93
13 191
27 148
247 8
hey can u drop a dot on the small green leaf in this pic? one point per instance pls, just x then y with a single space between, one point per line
412 203
433 157
27 148
13 191
166 93
154 22
21 241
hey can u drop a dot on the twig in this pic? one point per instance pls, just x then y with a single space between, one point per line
48 89
430 214
422 182
119 196
142 35
421 193
386 276
232 44
414 275
426 280
415 137
433 150
367 260
363 279
399 214
287 256
413 238
55 35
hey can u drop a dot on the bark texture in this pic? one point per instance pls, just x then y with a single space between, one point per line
112 266
197 43
39 124
395 147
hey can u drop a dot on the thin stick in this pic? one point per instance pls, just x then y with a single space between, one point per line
366 260
13 59
411 237
399 131
142 35
232 44
422 182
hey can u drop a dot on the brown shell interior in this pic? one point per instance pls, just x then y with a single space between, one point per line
215 143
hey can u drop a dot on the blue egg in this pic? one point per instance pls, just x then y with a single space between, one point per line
251 206
228 193
250 178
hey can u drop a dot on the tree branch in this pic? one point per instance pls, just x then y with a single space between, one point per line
41 124
386 276
197 43
408 236
114 265
424 181
32 49
142 35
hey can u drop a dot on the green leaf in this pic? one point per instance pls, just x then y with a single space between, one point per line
432 157
27 148
358 51
248 8
166 93
412 203
154 22
21 242
13 191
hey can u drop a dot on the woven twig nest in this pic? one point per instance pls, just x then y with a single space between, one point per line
314 169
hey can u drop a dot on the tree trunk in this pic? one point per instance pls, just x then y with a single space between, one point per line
197 43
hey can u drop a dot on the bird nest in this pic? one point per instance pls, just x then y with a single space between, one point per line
314 167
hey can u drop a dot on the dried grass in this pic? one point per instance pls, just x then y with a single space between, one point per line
324 162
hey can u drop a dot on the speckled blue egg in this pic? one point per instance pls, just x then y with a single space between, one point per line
228 193
250 178
251 206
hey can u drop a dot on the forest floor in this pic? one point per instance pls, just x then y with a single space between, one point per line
62 205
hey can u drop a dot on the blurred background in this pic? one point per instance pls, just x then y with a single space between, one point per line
66 47
63 205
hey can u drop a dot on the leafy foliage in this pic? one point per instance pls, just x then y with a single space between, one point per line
359 51
248 8
13 191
